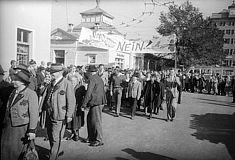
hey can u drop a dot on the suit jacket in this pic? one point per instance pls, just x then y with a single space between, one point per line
40 78
23 109
150 92
60 100
95 94
134 90
160 93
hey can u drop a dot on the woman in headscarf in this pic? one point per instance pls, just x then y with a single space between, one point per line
21 117
172 82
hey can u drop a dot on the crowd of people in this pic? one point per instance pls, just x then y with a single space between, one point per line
58 97
205 83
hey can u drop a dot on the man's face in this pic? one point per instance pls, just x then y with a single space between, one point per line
158 79
101 68
134 78
152 78
16 82
148 75
14 64
56 75
172 72
74 81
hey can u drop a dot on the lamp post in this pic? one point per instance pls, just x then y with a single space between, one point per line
177 52
177 46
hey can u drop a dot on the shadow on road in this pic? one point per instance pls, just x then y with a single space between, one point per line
144 155
43 153
217 128
216 102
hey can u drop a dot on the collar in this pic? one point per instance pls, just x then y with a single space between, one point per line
57 80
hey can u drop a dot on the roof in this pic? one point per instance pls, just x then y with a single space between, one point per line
60 34
82 47
96 10
232 6
102 26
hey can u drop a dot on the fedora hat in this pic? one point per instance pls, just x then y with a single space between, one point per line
92 68
31 62
21 67
40 68
56 67
1 70
22 76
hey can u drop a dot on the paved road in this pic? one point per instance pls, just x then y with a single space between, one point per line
204 129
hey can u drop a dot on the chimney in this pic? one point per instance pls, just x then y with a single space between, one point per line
70 27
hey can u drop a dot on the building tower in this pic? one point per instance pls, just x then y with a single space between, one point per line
97 18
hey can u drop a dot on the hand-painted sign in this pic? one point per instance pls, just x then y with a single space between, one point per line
103 40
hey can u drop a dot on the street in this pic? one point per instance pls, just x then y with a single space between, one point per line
203 129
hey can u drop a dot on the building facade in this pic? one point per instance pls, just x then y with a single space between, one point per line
225 21
65 44
25 28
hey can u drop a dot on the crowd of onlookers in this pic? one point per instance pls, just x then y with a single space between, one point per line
209 84
59 95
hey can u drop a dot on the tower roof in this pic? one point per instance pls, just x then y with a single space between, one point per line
96 10
232 6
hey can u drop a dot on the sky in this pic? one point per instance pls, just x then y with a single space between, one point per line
68 11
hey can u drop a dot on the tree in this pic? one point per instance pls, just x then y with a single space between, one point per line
199 42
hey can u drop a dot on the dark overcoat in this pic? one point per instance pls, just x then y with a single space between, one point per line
95 92
149 92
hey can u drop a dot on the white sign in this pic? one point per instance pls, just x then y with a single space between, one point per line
101 39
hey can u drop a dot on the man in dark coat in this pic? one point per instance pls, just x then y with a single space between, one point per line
160 94
60 105
233 88
180 87
5 91
94 100
41 74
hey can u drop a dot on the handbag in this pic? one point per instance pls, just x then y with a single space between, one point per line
30 152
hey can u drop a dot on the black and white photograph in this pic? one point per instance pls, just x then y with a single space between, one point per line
117 79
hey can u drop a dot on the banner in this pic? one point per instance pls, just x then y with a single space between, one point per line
104 40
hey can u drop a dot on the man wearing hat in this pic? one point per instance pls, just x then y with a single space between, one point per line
21 117
60 105
94 100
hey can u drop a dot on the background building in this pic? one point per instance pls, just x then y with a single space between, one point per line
25 31
225 21
65 45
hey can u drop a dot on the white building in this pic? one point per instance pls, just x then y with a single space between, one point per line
225 21
25 28
66 49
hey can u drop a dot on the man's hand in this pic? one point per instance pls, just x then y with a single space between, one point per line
31 136
111 93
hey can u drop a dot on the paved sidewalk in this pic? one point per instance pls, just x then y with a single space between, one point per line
204 129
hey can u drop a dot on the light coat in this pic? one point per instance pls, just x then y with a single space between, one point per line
62 103
24 108
134 90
